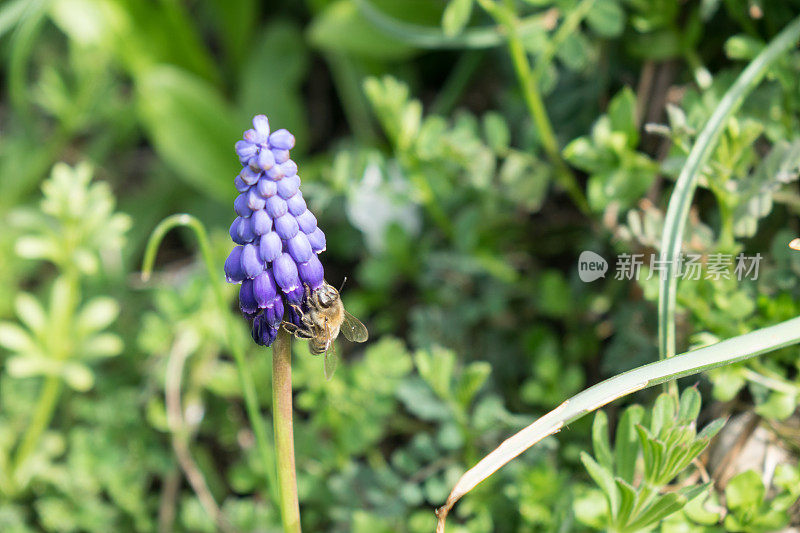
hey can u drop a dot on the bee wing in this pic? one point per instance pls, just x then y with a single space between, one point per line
331 361
353 329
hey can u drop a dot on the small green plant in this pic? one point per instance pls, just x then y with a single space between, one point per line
643 461
78 232
749 508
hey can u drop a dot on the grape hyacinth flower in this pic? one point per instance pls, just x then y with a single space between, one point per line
277 238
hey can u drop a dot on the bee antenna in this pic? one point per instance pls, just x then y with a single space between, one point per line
343 282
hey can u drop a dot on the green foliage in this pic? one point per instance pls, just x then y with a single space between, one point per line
617 172
444 208
632 486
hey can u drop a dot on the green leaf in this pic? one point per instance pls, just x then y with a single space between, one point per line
779 406
574 51
626 444
191 127
622 113
711 429
745 492
16 339
99 346
436 367
689 407
30 312
496 130
662 507
471 380
600 442
583 154
743 47
341 27
78 376
96 315
455 16
628 501
663 415
606 18
602 476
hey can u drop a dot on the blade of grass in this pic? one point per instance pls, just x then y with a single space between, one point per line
681 199
723 353
234 344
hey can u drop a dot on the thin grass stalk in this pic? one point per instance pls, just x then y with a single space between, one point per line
681 198
531 92
228 328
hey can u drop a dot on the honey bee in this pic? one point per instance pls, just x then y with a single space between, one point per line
322 322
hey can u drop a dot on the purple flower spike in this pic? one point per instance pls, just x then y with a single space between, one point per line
251 263
263 333
296 204
247 301
294 317
262 224
287 187
274 173
286 226
270 247
254 200
307 221
266 187
276 235
264 289
265 160
251 136
285 271
281 139
245 231
281 156
274 312
261 125
317 240
234 231
249 176
245 150
241 207
299 248
289 168
233 266
276 207
295 296
240 185
311 272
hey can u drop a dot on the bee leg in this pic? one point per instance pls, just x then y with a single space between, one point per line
293 329
304 318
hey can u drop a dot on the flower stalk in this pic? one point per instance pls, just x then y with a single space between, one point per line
284 434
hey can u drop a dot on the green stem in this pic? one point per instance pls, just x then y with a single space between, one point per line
284 435
534 102
42 414
228 327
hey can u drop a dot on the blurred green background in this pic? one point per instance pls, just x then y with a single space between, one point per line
444 208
